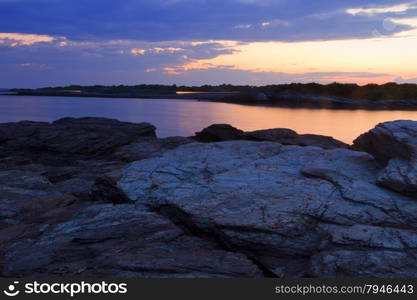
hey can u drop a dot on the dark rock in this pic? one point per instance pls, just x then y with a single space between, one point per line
18 208
147 148
20 132
89 169
92 135
224 132
290 137
85 136
386 264
218 133
116 241
105 189
12 162
281 135
78 187
24 180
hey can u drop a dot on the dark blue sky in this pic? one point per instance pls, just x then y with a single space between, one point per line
132 41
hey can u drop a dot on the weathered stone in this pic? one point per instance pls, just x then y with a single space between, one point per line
400 175
19 132
147 148
117 241
394 145
24 180
105 189
85 136
389 140
276 204
186 209
363 263
78 187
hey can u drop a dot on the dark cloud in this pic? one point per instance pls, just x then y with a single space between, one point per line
158 20
99 36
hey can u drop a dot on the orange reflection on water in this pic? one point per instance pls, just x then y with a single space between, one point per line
345 125
185 117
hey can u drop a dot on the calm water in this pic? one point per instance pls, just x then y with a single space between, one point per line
184 117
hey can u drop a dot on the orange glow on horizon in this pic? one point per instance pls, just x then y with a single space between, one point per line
378 60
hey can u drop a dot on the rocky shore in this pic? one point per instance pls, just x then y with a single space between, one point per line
95 197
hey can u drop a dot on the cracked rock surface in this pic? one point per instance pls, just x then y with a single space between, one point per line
62 214
94 197
394 145
118 241
295 211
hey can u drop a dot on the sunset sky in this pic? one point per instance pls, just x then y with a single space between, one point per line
194 42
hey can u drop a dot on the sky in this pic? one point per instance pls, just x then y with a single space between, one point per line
195 42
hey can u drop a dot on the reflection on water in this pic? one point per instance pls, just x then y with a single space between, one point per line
184 117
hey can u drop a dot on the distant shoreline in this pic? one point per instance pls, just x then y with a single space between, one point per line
389 96
293 103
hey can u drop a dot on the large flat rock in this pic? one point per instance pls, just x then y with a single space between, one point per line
297 211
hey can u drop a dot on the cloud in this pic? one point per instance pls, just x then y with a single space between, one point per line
136 51
157 50
400 8
161 20
29 65
47 42
21 39
243 26
105 62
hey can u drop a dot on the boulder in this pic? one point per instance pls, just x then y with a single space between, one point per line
295 211
389 140
218 133
84 136
394 145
